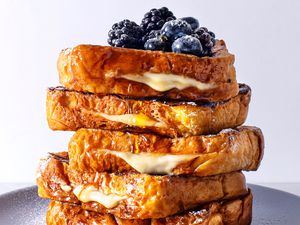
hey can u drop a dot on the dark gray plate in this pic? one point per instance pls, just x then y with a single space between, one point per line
271 207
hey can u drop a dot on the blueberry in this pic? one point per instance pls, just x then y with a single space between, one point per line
156 44
175 29
192 21
187 44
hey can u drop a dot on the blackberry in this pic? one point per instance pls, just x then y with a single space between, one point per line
192 21
126 34
156 18
175 29
150 35
207 39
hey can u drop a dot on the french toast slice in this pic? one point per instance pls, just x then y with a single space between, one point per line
94 150
233 212
135 196
71 110
141 73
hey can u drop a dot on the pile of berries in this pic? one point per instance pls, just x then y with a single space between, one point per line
161 31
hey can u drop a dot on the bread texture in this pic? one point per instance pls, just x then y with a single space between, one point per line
71 110
101 70
93 150
139 196
234 212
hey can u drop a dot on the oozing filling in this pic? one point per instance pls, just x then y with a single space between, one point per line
164 82
91 194
153 163
140 120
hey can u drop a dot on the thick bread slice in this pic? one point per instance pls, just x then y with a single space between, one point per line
135 196
101 69
70 110
234 212
94 150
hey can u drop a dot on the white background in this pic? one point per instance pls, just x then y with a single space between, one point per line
264 36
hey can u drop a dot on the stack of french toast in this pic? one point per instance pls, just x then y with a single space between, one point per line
158 139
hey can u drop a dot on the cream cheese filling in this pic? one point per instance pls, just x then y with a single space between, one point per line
133 120
164 82
65 187
153 163
91 194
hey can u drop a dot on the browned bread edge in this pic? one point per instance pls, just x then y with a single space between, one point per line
234 212
151 197
93 150
98 69
71 110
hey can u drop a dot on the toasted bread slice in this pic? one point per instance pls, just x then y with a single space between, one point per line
230 150
234 212
140 73
70 110
135 196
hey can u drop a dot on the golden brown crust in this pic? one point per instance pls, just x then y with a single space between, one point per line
58 173
90 150
70 110
97 69
234 212
145 196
